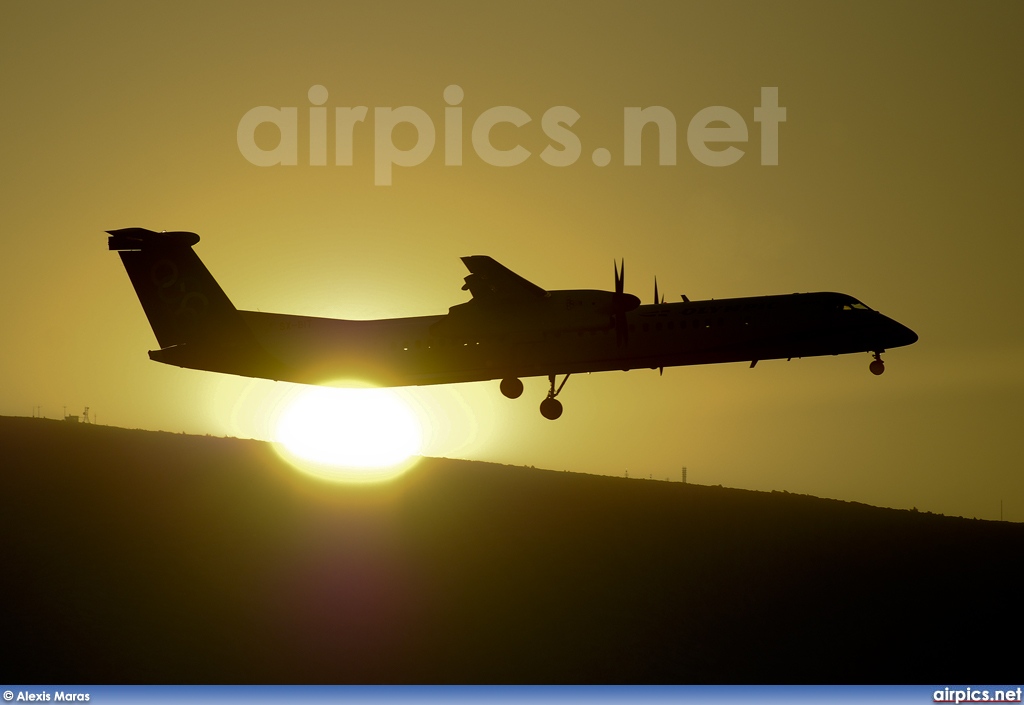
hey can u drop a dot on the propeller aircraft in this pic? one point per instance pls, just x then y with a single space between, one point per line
509 329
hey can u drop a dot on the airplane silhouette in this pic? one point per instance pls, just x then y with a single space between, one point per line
511 328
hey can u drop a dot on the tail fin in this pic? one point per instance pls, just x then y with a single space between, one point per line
181 298
194 322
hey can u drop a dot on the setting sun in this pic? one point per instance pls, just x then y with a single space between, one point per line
353 435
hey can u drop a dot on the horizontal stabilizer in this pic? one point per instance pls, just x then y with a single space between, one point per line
140 238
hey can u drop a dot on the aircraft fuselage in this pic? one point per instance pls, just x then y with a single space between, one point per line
430 350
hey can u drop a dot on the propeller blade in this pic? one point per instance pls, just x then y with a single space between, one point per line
621 304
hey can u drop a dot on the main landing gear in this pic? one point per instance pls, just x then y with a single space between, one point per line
877 367
550 408
512 387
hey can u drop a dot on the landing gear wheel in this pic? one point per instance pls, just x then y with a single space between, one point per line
512 387
551 408
877 367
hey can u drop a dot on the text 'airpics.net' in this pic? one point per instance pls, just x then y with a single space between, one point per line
711 135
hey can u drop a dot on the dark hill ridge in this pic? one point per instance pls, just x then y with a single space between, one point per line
138 556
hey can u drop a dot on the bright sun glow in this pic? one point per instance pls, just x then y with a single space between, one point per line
353 435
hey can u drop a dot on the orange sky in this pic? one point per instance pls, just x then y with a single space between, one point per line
897 183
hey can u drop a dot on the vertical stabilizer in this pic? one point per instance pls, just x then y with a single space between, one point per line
181 298
194 322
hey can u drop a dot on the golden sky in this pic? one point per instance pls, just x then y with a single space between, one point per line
898 183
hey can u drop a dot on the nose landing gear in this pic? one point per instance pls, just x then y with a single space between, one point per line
551 408
877 367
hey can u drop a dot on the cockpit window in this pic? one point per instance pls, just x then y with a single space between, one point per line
855 305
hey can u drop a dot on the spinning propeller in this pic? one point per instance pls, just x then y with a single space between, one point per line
622 303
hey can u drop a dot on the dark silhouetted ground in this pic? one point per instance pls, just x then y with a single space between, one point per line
146 557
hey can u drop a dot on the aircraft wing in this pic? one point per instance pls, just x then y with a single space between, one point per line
490 282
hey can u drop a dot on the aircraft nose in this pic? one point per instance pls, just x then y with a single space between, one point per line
900 335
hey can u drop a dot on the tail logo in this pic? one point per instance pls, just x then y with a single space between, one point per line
185 301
